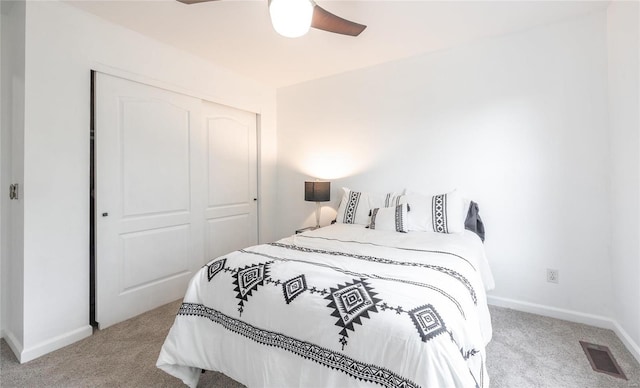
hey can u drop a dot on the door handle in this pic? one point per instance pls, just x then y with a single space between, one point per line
13 191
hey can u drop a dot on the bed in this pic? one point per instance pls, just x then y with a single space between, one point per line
343 305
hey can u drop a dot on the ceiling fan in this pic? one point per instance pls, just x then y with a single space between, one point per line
292 18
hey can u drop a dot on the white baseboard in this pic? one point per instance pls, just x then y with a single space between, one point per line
569 315
553 312
54 343
12 341
627 341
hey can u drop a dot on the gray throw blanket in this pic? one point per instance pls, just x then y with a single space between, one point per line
473 221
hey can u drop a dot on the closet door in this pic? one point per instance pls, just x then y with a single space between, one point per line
150 196
176 186
231 211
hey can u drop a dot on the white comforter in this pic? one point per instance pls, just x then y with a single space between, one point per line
339 306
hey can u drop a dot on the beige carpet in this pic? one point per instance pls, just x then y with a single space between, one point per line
123 355
527 351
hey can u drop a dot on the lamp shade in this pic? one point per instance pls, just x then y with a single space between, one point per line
317 191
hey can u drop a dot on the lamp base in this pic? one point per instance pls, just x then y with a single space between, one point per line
318 214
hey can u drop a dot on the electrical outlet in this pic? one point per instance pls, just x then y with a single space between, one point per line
552 275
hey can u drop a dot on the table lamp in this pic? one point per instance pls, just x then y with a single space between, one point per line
317 192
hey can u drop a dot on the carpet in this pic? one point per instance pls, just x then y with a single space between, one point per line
526 351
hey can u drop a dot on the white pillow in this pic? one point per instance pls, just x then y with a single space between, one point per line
390 218
355 206
419 210
393 199
442 213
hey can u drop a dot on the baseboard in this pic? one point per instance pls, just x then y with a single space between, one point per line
627 341
553 312
569 315
12 341
54 343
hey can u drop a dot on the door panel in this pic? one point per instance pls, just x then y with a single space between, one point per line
222 237
229 159
155 152
167 248
149 223
231 212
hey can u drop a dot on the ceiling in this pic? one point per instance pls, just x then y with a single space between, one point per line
237 34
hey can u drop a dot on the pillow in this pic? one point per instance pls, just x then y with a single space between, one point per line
442 213
355 207
393 199
418 217
446 213
390 218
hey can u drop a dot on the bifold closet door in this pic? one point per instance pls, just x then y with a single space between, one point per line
150 169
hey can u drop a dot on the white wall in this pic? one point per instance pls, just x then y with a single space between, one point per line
518 123
62 45
12 79
624 83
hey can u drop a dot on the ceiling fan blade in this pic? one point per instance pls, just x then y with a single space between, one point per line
194 1
325 20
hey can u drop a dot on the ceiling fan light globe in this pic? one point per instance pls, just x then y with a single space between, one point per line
291 18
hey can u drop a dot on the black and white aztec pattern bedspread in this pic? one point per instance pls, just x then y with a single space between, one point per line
340 306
